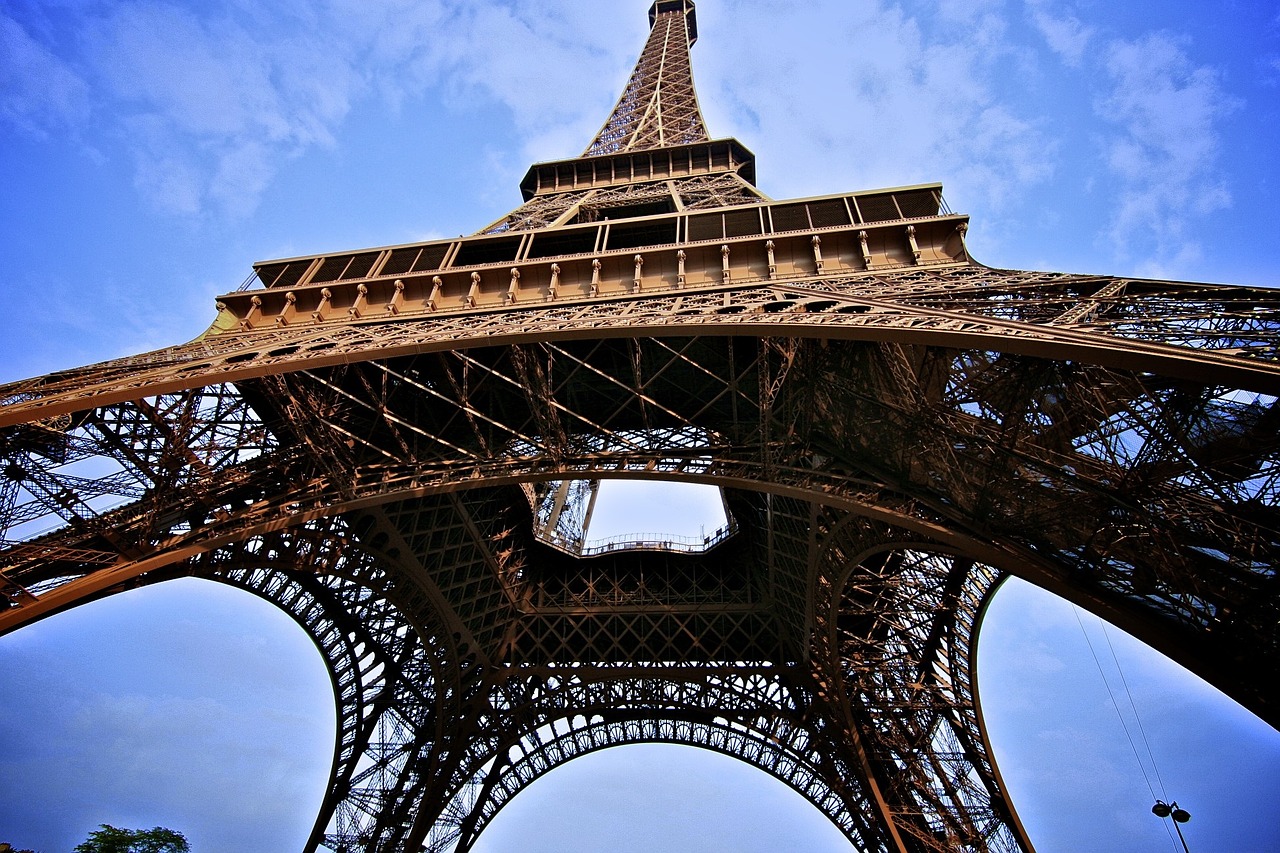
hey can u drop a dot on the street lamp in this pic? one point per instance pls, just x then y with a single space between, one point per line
1164 810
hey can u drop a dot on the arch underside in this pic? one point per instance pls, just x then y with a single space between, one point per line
1195 332
409 692
880 486
773 719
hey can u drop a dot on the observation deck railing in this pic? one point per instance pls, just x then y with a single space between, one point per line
647 542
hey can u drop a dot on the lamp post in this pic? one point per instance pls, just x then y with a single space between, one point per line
1163 810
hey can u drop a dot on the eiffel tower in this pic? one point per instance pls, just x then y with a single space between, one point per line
399 447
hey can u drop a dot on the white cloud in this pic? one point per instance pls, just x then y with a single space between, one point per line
1164 157
38 91
209 104
882 97
528 57
211 100
1065 33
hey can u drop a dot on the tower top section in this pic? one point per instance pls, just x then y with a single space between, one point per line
686 7
659 107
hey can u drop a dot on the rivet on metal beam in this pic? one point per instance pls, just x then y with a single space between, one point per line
911 241
773 261
437 291
475 290
397 298
866 248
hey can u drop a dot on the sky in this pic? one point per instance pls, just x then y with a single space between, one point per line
151 151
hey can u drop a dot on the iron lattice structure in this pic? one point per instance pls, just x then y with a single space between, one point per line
387 444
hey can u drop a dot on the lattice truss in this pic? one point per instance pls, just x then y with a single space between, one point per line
403 779
1171 326
695 193
659 107
380 500
890 443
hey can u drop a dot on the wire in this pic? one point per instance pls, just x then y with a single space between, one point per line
1141 729
1116 706
1112 696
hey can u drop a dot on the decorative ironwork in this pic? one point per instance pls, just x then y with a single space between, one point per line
398 447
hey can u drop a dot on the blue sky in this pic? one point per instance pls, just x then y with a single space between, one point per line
150 151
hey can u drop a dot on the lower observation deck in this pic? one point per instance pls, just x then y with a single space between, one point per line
834 235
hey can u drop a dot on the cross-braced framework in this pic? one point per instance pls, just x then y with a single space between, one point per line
395 447
659 107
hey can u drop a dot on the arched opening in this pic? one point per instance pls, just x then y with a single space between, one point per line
188 704
645 797
1067 761
592 517
681 509
1071 775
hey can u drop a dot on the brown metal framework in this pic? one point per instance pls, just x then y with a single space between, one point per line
387 445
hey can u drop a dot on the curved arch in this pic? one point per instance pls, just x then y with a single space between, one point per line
663 797
754 748
388 663
245 356
988 466
275 585
380 485
908 683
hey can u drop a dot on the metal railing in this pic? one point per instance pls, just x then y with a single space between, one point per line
648 542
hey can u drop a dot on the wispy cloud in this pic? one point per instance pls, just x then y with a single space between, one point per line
1167 111
209 105
209 102
884 96
1066 35
38 91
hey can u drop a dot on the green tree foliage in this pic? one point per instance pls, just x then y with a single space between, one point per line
109 839
7 848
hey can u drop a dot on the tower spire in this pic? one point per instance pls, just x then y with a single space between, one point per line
659 106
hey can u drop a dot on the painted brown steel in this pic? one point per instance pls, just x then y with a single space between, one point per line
677 312
368 441
659 106
314 500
